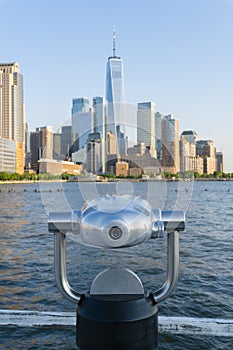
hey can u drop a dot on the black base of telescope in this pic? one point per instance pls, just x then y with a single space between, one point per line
117 322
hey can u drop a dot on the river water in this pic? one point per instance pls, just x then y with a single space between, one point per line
205 286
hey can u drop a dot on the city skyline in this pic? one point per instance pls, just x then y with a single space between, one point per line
180 58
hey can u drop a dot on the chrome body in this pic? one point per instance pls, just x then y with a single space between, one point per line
172 267
116 222
116 281
60 268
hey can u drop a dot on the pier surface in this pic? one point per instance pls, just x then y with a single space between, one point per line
167 325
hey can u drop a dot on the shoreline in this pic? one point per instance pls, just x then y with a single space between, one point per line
24 182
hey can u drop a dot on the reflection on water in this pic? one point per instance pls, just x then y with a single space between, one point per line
26 257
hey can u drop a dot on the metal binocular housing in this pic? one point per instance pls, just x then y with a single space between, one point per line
116 310
116 222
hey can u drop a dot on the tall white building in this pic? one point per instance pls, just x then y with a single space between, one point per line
188 157
7 155
115 91
12 123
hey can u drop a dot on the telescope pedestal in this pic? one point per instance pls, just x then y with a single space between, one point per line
117 321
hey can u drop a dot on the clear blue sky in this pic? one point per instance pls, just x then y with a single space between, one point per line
177 53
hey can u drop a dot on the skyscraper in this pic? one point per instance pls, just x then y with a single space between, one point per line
67 140
94 153
99 114
34 146
190 136
7 155
80 104
45 142
220 161
188 159
82 120
158 134
207 151
122 141
115 91
56 146
41 143
170 144
99 110
12 122
146 123
187 155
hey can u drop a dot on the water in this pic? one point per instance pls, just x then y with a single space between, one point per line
205 287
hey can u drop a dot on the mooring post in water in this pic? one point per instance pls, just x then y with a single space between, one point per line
116 313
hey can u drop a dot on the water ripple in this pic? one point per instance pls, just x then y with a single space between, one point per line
27 274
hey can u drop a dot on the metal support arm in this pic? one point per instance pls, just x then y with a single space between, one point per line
60 268
160 295
172 267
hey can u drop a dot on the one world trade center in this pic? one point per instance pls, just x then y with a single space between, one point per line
115 92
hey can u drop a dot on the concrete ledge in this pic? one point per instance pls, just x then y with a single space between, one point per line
167 325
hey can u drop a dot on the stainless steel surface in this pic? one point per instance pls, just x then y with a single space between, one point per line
60 268
116 221
158 229
116 281
174 220
113 222
172 267
72 295
64 221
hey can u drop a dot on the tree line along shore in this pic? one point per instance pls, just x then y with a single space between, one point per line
32 177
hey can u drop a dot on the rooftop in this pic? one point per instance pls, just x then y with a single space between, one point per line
189 132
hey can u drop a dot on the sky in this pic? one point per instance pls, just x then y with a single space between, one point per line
177 53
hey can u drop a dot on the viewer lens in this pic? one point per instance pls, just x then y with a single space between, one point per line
115 232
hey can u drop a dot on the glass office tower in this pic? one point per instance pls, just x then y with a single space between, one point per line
99 110
82 121
115 92
146 123
80 104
